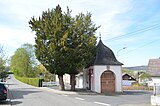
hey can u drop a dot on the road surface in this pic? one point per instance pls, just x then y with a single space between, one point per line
25 95
21 94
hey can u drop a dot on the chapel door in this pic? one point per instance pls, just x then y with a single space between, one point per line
107 82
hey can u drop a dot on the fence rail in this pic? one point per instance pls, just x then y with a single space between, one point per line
46 84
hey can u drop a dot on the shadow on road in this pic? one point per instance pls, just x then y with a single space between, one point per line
5 102
132 92
17 95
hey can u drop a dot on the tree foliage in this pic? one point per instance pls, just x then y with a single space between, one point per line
31 53
2 64
64 44
45 73
20 63
144 76
3 73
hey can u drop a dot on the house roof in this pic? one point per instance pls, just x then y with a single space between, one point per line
105 56
124 76
154 67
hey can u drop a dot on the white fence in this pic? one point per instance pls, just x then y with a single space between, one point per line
156 89
155 98
55 84
47 84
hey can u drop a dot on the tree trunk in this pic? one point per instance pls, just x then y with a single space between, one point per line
61 82
73 81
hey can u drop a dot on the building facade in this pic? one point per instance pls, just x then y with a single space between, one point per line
104 74
154 71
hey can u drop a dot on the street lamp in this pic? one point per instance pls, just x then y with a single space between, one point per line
120 50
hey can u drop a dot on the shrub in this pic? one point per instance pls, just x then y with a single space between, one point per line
31 81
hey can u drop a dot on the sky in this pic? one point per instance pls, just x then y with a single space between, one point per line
130 24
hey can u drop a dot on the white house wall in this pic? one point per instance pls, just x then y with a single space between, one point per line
154 80
66 79
79 81
96 77
85 79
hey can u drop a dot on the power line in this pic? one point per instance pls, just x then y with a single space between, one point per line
142 46
136 32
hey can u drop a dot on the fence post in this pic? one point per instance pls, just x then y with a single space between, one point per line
40 82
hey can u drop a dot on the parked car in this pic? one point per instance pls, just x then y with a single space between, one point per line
3 92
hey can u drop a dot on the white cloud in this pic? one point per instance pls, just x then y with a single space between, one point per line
14 38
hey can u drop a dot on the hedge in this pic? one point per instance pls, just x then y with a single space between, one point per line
31 81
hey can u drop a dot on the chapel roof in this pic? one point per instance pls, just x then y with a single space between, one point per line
105 56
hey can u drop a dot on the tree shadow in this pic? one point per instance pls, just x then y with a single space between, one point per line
132 92
4 102
16 95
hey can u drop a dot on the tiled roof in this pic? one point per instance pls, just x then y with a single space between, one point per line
154 67
105 56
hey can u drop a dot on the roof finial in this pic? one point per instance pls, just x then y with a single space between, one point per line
99 36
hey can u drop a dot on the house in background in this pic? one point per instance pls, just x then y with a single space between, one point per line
128 80
154 71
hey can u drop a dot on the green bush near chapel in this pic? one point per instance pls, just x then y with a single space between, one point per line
31 81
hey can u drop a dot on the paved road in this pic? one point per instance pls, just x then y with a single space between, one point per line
24 95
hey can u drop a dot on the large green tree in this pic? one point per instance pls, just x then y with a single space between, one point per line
64 44
50 28
80 45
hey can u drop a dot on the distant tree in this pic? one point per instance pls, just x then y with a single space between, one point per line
45 73
144 76
2 64
20 63
64 44
31 52
3 73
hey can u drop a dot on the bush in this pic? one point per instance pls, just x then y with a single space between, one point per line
31 81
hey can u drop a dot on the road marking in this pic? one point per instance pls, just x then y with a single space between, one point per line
100 103
64 95
79 98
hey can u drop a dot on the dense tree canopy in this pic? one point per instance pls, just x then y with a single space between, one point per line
64 43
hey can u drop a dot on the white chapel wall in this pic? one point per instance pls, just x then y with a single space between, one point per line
97 72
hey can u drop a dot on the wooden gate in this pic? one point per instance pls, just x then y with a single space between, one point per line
107 82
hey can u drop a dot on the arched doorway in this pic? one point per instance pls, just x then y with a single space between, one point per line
107 82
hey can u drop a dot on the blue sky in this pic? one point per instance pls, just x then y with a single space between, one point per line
134 24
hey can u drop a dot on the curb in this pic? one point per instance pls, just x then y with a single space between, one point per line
57 91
